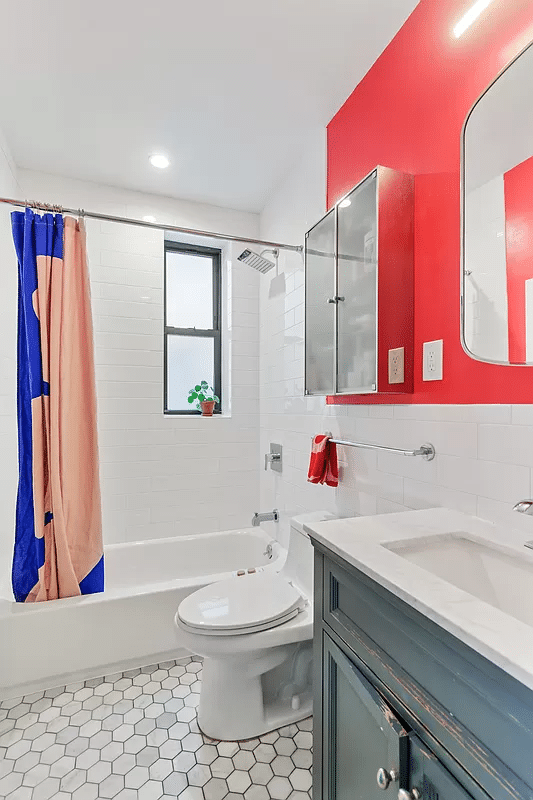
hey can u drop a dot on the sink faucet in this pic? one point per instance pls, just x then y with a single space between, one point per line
265 517
525 507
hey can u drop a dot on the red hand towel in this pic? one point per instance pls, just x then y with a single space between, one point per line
323 466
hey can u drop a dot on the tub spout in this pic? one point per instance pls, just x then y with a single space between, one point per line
267 516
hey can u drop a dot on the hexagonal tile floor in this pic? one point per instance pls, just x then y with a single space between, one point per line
134 736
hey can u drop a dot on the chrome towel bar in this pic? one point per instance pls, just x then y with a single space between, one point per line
427 451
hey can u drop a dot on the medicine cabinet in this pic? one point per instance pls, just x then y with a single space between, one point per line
359 290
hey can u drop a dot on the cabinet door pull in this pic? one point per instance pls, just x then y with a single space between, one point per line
385 778
336 299
403 794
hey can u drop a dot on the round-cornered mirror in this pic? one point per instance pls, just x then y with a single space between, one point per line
497 219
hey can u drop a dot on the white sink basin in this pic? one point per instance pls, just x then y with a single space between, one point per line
501 579
471 576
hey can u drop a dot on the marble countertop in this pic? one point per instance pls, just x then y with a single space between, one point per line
495 634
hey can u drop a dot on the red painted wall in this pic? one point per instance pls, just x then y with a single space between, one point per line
407 113
518 189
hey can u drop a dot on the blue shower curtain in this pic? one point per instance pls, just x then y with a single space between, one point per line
58 543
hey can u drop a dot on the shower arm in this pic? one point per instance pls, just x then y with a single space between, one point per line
298 248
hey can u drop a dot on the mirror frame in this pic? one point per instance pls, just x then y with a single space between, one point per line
462 213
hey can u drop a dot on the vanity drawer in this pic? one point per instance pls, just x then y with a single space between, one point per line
469 705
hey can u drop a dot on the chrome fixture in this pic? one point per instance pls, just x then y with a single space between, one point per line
257 261
385 778
274 458
268 516
524 507
404 794
427 451
269 551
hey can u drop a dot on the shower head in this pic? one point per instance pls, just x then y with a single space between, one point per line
256 262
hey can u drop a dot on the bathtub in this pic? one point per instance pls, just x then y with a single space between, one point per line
131 622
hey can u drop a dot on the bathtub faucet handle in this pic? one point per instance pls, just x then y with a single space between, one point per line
269 551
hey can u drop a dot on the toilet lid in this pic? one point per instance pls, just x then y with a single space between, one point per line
245 604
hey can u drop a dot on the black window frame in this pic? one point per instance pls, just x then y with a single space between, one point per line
208 333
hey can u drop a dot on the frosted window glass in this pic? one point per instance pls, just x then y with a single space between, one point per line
190 359
189 291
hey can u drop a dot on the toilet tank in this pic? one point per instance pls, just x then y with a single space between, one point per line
298 567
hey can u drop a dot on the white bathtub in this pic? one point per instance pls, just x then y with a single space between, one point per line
131 623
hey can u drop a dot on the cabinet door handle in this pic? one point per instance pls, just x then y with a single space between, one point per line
403 794
385 778
336 299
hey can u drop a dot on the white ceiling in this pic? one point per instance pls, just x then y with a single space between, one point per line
227 88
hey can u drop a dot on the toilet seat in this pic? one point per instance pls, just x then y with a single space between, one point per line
246 604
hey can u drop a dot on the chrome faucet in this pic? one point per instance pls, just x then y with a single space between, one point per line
525 507
265 517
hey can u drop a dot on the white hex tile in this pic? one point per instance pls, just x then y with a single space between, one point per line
256 792
26 762
304 740
191 793
22 793
136 777
42 742
123 732
135 744
170 749
89 791
176 783
18 749
123 763
73 780
279 788
206 754
112 751
99 772
156 737
152 790
36 775
301 780
184 761
47 789
199 775
62 767
111 786
147 756
238 781
261 774
54 753
227 749
302 759
215 789
11 782
282 765
160 769
284 746
243 760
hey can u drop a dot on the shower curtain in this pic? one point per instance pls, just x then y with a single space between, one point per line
58 536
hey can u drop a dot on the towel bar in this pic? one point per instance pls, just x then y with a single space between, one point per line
427 451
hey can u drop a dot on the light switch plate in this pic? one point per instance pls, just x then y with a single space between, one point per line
432 360
396 365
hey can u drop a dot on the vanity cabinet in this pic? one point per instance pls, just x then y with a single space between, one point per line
403 709
359 290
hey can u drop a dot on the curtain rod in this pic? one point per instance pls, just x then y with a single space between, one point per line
154 225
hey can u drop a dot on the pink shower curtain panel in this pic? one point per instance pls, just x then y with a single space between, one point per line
65 479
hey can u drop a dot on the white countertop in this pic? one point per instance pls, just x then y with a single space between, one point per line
500 637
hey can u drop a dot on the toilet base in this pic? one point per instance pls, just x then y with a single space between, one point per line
244 698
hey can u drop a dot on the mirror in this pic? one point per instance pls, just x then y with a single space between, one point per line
497 219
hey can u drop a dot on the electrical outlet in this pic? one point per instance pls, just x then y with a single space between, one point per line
432 361
396 365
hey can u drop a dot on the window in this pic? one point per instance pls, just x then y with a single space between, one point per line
192 324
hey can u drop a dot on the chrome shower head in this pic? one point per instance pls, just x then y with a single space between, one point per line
256 262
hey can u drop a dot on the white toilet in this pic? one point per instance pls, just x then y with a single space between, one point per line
255 635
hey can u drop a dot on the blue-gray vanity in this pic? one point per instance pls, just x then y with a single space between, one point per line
409 706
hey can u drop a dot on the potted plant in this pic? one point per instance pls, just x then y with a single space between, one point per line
204 398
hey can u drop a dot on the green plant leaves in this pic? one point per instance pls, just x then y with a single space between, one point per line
197 388
201 397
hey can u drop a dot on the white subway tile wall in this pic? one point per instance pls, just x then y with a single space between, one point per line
165 475
484 452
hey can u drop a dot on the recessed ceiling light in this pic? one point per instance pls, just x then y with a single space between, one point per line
148 218
471 15
345 203
160 161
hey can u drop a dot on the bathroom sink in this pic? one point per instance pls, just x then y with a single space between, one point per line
471 576
502 579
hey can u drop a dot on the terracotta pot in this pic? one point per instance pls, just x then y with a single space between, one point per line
207 408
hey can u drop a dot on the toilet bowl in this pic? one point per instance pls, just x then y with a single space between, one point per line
255 634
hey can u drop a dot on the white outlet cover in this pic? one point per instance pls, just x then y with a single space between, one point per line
432 360
396 365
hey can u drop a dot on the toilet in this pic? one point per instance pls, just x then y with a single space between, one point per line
255 634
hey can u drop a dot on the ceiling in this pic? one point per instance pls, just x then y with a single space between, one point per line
227 89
